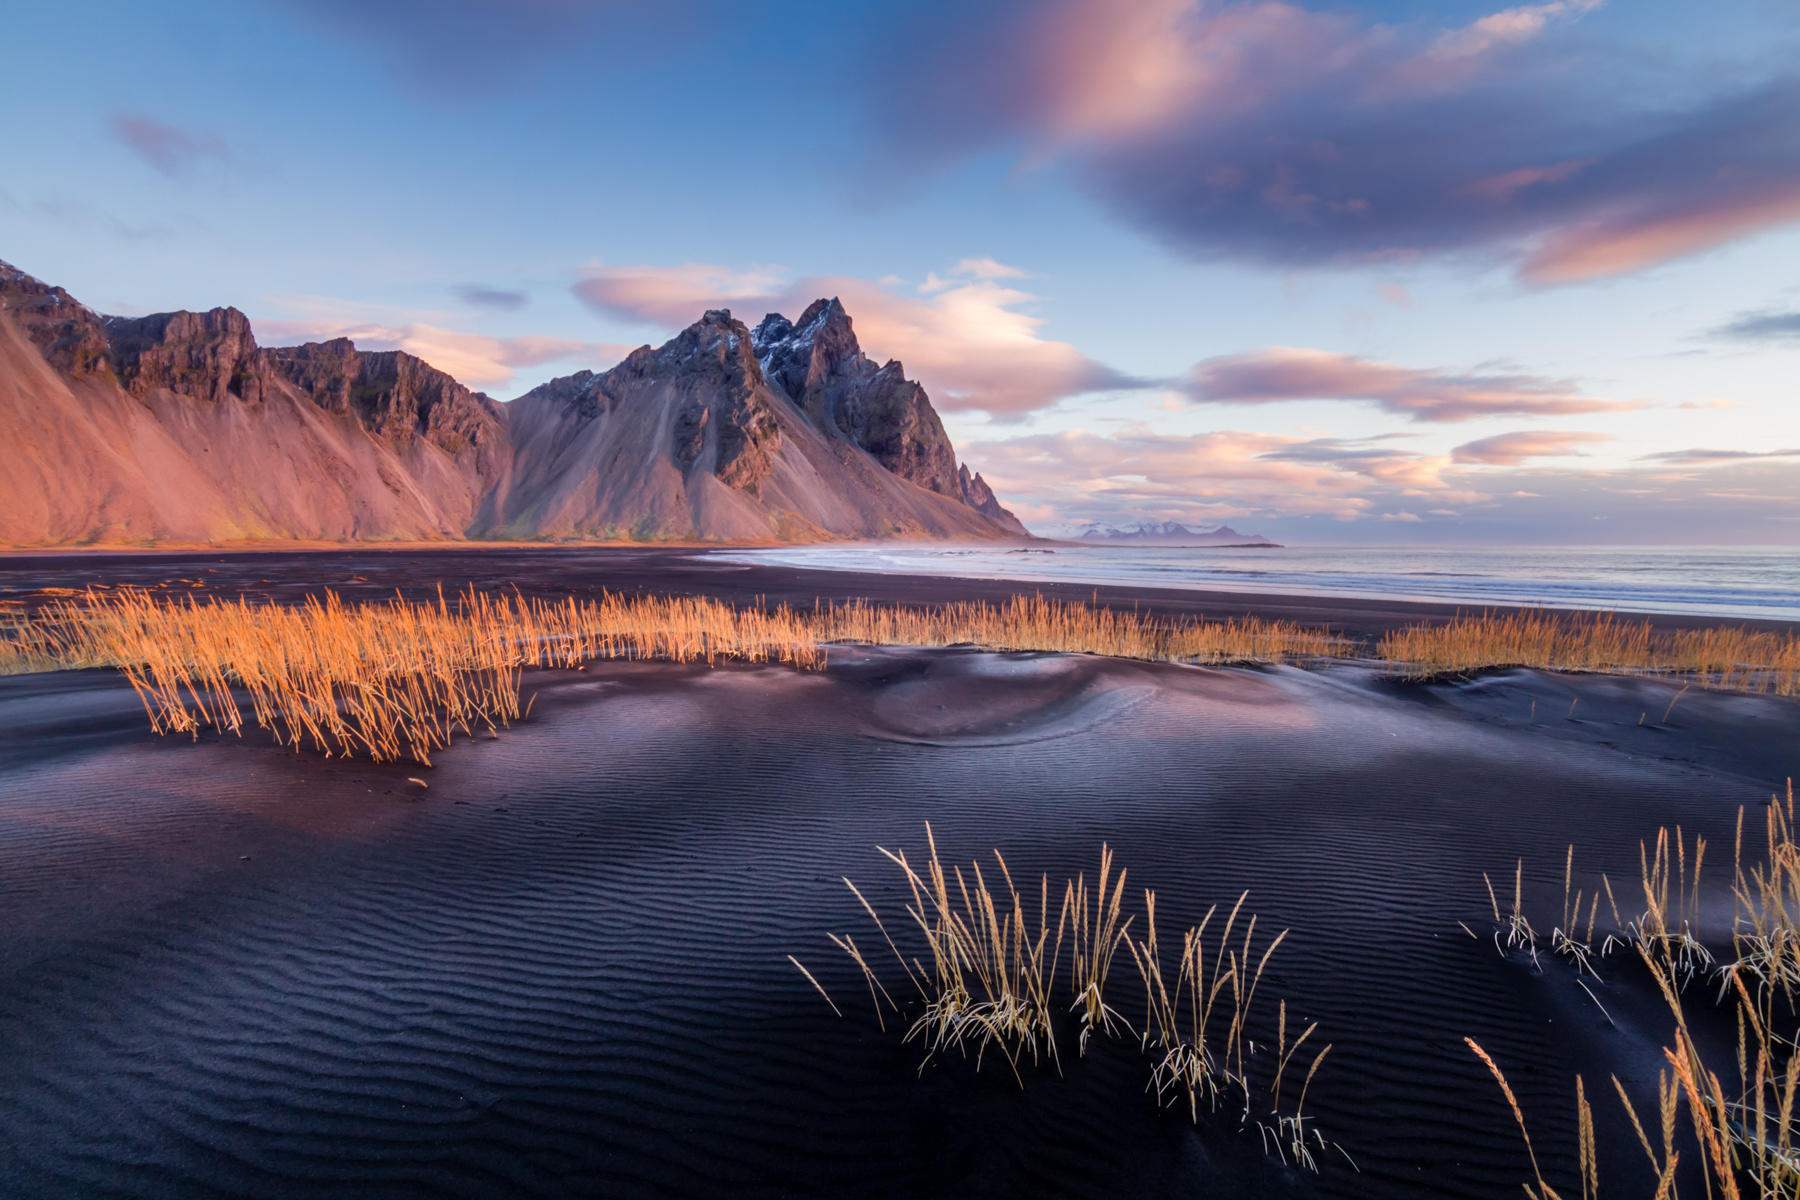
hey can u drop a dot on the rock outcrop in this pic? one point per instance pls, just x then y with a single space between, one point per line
178 427
979 496
819 365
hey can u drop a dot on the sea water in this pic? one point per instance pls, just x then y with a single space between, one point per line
1739 581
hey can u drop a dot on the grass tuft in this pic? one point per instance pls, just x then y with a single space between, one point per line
1721 657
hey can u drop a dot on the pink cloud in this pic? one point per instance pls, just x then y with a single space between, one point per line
475 360
1507 184
1210 476
970 340
1280 373
1233 475
1634 238
1264 130
1511 449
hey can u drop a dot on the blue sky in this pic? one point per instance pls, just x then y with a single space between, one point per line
1380 272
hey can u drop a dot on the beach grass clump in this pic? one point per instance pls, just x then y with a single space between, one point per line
1739 1124
1199 1025
1766 933
1722 656
1036 623
389 681
991 984
1096 933
992 972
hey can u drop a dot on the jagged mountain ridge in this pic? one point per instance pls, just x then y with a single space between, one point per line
179 427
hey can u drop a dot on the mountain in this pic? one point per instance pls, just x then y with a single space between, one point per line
178 427
788 433
1168 533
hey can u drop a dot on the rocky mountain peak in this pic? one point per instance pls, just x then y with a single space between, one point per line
979 496
802 357
66 332
209 356
393 394
716 349
818 363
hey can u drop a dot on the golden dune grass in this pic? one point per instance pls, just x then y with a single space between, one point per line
994 955
1723 656
389 680
1034 623
1744 1128
398 679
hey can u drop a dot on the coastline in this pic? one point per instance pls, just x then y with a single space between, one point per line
379 571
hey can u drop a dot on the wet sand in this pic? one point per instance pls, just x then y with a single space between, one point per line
561 970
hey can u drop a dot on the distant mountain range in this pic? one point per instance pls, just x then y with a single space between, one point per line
1168 533
178 427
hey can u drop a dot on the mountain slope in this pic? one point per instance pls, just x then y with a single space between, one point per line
179 427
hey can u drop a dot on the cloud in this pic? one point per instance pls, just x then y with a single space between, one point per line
1208 476
1511 449
1506 28
1771 325
1140 473
987 268
969 341
1700 457
1262 130
476 360
1279 373
167 148
1255 478
482 296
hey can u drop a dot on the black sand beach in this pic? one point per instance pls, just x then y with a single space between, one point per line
363 573
560 969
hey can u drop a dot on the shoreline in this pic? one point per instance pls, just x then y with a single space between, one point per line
377 572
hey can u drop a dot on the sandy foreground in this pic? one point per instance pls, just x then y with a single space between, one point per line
561 968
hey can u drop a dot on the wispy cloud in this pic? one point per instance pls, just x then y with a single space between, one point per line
482 296
972 340
1279 373
1511 449
1703 457
1768 325
168 148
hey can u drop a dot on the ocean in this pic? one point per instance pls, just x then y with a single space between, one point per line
1737 581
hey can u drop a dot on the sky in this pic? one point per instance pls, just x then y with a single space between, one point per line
1357 273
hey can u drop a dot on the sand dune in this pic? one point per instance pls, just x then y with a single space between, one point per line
561 970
